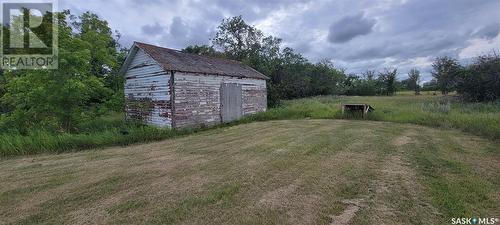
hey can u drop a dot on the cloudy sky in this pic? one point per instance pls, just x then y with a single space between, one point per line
356 35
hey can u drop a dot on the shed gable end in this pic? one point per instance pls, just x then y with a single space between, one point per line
147 90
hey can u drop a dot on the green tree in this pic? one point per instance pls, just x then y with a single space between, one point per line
202 50
369 75
105 60
431 85
325 79
367 86
238 39
3 82
290 76
414 80
445 71
387 79
56 100
90 28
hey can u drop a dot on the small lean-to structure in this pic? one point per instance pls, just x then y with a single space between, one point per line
356 107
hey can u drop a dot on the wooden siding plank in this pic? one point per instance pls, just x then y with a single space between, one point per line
147 91
197 98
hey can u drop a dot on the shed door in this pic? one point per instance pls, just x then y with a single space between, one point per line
231 102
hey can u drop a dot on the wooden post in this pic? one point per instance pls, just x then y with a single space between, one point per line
364 111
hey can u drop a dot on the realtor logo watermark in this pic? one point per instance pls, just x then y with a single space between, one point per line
29 34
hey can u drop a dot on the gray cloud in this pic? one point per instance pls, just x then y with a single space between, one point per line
178 28
488 32
182 33
153 29
251 10
350 27
401 49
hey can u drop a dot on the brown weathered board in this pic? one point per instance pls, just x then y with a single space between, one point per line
147 92
231 102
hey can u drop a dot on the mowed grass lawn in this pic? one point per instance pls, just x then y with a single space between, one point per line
275 172
427 109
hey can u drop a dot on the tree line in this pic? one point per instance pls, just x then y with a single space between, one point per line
291 74
476 82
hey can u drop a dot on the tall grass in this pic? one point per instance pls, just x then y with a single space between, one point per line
105 131
430 110
46 142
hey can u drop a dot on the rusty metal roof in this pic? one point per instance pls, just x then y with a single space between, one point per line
175 60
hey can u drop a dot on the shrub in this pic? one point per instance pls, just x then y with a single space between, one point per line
481 80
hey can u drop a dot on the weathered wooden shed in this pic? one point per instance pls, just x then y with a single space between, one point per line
170 88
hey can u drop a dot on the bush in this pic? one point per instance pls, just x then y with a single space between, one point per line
481 80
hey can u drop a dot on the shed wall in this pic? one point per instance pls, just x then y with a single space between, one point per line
147 91
197 97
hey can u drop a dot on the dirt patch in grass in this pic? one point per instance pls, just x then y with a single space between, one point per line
353 206
97 213
300 208
279 197
402 140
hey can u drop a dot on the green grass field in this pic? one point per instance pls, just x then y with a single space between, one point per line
304 171
430 110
